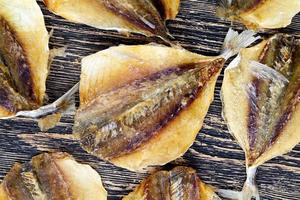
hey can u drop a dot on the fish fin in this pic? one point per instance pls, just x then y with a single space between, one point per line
65 103
263 72
249 191
234 42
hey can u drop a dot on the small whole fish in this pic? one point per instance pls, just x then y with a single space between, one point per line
137 16
260 14
144 105
265 82
181 183
52 176
24 56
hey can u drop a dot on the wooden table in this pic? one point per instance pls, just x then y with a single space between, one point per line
217 158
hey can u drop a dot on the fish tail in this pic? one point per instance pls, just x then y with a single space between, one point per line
234 42
250 189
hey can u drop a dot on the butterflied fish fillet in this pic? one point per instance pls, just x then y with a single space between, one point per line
24 56
260 14
52 176
181 183
144 105
266 121
139 16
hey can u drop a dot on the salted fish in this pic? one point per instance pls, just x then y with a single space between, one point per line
144 105
129 16
264 81
180 183
260 14
25 60
54 176
24 56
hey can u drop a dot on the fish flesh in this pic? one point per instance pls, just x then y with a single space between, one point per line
265 82
25 59
144 105
260 14
167 8
129 16
24 56
180 183
52 176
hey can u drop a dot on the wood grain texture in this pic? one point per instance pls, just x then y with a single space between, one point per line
215 156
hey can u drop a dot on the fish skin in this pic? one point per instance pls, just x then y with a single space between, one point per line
24 66
259 14
11 100
131 16
244 6
15 186
286 60
45 178
14 58
51 179
180 183
128 129
273 98
141 13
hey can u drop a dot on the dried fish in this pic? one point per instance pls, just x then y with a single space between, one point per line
144 105
181 183
126 16
264 81
24 64
24 56
260 14
52 176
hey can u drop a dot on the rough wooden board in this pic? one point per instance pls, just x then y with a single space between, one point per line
218 159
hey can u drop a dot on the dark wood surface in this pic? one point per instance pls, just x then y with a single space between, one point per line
217 158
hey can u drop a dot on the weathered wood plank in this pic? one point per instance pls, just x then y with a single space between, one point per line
218 159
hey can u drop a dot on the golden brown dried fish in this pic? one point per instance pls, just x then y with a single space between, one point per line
181 183
266 121
24 63
53 176
260 14
144 105
24 56
138 16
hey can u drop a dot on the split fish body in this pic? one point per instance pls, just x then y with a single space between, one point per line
143 105
137 16
260 14
118 122
53 176
181 183
24 56
133 100
271 99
